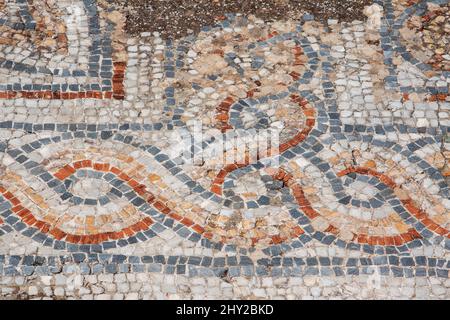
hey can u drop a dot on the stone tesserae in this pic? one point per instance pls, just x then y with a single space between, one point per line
98 202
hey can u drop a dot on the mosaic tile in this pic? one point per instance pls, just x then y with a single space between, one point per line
38 63
96 181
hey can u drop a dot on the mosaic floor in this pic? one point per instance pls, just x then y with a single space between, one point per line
96 203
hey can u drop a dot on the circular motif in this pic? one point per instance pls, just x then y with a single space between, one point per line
287 116
388 215
85 186
239 58
67 210
259 209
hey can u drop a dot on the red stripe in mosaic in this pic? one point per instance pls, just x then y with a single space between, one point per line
29 219
311 213
117 93
309 113
139 188
409 204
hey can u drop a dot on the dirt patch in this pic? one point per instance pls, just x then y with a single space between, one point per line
177 18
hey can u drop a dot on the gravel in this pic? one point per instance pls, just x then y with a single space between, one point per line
177 18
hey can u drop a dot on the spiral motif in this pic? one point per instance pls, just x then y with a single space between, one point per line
103 186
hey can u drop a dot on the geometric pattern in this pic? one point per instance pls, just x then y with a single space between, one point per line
340 185
35 39
60 176
395 43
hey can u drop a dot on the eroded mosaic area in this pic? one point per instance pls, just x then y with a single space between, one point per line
60 50
93 191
